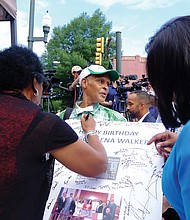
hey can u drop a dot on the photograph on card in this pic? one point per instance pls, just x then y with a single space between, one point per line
77 204
112 168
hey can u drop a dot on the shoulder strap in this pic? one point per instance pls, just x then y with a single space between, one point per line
67 113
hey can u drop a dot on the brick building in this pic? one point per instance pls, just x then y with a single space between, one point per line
131 65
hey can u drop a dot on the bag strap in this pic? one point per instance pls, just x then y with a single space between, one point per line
68 112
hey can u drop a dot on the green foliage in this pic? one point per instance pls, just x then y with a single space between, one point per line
75 44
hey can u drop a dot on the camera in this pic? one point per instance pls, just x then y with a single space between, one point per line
121 93
52 81
51 90
143 82
122 87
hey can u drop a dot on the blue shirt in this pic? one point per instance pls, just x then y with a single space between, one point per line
176 175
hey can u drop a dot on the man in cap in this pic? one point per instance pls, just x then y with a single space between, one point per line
94 81
74 86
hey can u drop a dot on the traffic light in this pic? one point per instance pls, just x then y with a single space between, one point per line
98 58
107 41
100 45
99 50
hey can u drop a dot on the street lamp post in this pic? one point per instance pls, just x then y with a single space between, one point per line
46 22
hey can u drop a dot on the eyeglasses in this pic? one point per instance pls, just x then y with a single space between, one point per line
40 78
77 71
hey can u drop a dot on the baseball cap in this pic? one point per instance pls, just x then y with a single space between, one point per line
76 68
98 70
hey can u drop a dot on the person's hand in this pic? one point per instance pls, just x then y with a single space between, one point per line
74 84
164 142
110 102
87 123
107 103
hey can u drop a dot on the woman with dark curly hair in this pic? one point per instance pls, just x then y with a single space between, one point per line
168 66
31 139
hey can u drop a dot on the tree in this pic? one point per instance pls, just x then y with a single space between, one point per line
75 44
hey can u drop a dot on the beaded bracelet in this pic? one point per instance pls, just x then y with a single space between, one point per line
90 133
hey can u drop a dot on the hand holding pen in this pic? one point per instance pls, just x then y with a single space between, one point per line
87 116
87 122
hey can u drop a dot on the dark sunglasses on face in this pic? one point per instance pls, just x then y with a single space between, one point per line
77 72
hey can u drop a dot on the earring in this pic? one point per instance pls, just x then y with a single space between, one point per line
36 93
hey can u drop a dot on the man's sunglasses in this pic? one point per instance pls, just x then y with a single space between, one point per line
77 71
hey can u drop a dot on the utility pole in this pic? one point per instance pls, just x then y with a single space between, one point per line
118 52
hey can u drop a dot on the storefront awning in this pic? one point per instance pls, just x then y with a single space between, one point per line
8 10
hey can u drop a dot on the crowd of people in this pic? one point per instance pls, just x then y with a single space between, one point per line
118 98
31 139
94 82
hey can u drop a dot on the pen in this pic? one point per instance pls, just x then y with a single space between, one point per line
87 116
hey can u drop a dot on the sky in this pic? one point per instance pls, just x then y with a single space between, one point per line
137 20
